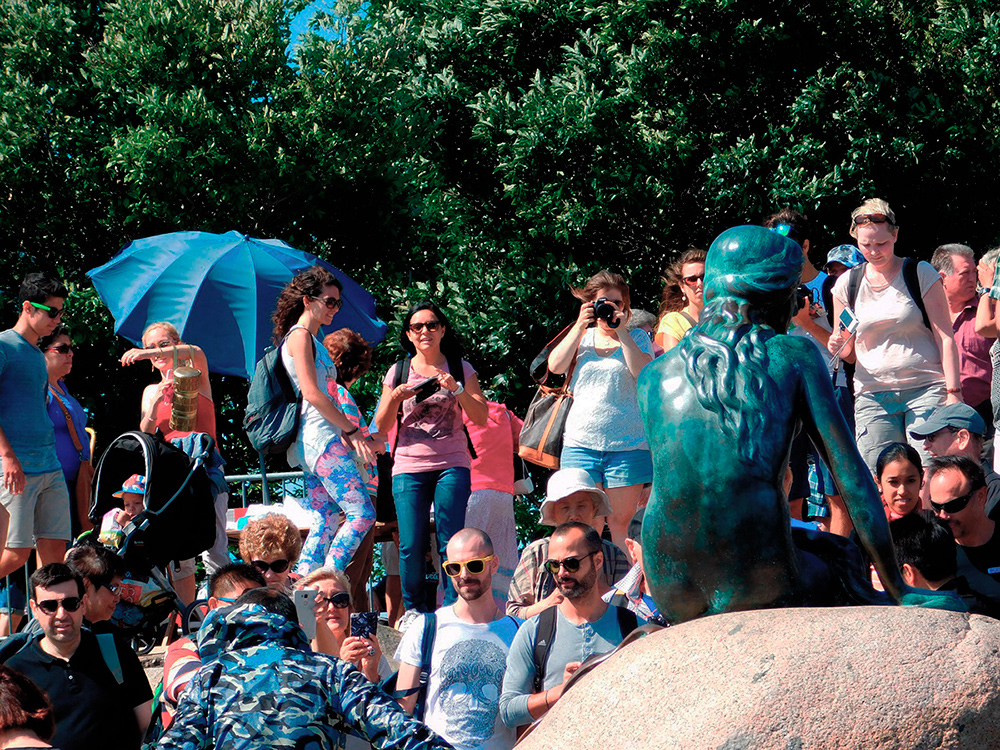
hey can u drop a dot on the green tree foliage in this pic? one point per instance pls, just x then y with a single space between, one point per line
489 153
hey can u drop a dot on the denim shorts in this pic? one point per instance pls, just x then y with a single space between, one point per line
610 468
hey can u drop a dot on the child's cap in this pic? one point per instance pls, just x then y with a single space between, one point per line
134 484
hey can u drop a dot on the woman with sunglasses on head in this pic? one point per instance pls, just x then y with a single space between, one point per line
326 436
683 298
431 460
905 368
333 608
272 544
604 434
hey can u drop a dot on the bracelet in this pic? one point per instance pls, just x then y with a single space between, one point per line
546 694
459 391
348 434
953 390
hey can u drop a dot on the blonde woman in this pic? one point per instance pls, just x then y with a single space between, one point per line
905 369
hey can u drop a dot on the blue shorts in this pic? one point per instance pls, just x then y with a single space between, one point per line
610 468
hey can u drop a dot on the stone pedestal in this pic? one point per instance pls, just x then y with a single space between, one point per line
853 677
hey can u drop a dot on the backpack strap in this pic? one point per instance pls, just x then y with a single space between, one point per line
855 275
457 370
627 621
401 373
106 642
544 635
426 649
913 287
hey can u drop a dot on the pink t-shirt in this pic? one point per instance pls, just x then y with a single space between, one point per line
495 443
431 437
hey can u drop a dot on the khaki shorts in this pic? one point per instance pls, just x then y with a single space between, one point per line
40 512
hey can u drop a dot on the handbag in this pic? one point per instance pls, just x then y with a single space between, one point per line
85 475
541 436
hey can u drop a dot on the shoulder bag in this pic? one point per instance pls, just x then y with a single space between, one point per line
541 436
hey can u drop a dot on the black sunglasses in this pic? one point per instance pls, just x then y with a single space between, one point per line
51 606
340 600
862 219
953 506
52 312
278 566
332 303
572 564
61 348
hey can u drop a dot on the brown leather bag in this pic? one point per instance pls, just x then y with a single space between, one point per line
541 436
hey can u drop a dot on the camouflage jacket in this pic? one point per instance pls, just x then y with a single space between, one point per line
261 686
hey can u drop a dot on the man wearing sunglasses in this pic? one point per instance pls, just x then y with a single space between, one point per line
551 646
94 706
957 430
471 639
34 501
958 499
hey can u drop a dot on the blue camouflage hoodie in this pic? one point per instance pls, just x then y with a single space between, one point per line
260 686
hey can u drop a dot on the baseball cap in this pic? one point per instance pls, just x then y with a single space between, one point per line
134 484
958 416
848 255
566 482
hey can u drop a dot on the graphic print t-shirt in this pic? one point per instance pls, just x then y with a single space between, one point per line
467 667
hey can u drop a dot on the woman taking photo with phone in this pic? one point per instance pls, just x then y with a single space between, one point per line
308 302
431 461
604 433
905 367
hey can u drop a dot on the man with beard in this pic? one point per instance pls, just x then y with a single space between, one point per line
550 646
470 643
958 498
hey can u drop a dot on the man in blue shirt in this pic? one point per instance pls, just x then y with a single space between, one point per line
34 497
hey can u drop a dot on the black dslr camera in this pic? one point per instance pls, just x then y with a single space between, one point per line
604 310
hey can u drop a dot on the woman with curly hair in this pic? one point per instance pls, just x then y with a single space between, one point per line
683 298
431 460
326 436
272 545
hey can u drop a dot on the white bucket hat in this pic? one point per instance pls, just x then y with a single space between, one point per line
564 483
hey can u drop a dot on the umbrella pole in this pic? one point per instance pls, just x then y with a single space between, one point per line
263 476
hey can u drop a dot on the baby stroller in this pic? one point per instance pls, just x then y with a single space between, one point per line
178 522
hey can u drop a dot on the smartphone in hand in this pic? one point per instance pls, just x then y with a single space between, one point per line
426 388
304 601
847 321
364 624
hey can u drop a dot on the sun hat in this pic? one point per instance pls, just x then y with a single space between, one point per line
566 482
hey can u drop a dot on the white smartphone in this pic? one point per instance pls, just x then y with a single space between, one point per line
304 600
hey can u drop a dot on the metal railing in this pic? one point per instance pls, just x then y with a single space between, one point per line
252 486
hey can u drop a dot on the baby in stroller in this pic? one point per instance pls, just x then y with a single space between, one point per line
133 497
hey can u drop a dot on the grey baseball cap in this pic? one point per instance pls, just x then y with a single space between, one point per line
958 416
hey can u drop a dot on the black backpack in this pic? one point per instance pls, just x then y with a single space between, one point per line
909 278
545 634
273 406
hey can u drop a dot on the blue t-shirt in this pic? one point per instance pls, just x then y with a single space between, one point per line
24 419
69 456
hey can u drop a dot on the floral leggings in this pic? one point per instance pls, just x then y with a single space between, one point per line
332 486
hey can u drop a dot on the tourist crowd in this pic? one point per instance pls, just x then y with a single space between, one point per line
492 640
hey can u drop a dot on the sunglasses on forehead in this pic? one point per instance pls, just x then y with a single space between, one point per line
278 566
862 219
51 606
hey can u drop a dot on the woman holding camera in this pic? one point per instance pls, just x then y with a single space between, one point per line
431 461
604 433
